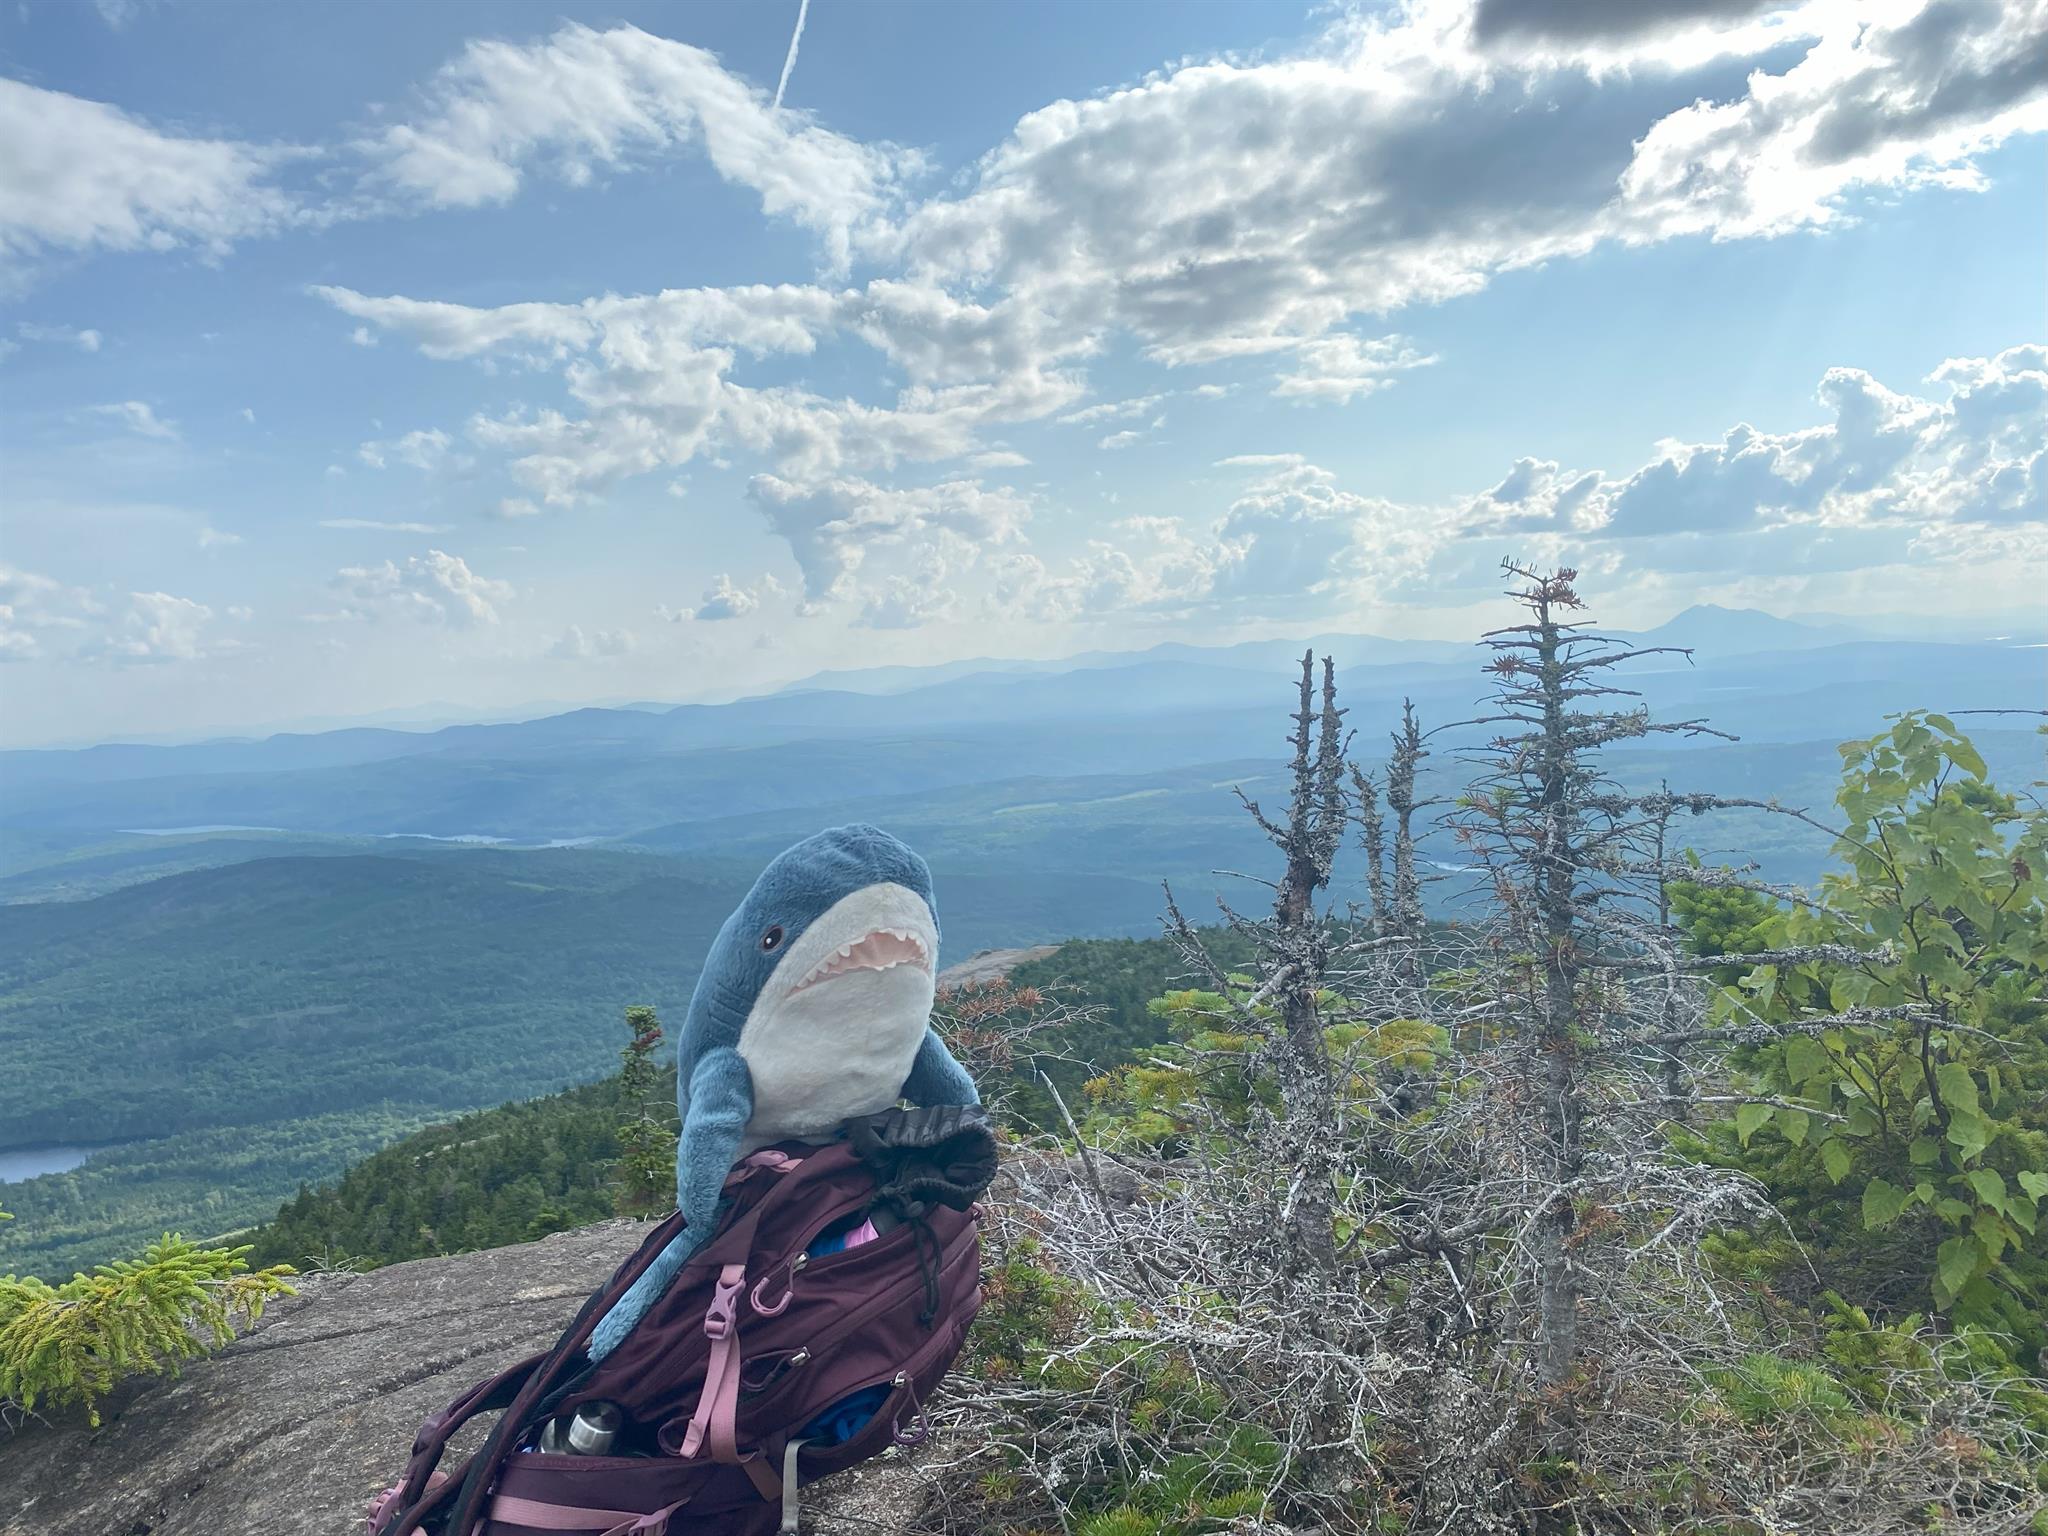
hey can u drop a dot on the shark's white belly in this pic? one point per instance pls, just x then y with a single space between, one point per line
812 1073
843 1047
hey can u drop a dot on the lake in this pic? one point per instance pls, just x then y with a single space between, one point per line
27 1162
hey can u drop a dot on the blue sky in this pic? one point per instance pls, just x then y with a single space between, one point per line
394 357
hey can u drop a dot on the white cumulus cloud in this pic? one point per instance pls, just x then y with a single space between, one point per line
1341 366
724 600
436 588
576 645
422 449
583 101
833 526
156 627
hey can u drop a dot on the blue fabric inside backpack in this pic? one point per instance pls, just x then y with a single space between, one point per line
847 1417
834 1241
852 1413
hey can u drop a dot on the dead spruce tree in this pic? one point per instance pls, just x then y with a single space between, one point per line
1559 843
1395 914
1391 1234
1294 956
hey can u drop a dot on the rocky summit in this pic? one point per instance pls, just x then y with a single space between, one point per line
295 1426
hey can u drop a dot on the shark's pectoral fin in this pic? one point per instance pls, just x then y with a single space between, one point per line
721 1102
935 1077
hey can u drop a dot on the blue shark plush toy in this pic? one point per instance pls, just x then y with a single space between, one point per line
813 1007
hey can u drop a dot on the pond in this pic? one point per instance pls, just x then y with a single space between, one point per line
27 1162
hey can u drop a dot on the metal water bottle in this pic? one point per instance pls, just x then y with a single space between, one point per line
589 1432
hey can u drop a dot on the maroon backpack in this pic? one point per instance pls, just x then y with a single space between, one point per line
762 1367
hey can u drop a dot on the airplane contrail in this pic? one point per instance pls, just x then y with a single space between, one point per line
803 9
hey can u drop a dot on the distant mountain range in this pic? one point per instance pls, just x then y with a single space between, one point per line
257 960
1729 631
1736 653
611 773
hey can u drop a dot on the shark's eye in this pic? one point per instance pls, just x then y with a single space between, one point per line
772 939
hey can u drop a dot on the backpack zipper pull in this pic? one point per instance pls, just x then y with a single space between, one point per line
774 1309
919 1430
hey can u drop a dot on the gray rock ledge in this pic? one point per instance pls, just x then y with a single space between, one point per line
296 1425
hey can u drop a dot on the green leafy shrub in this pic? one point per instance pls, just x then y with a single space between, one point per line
1901 1122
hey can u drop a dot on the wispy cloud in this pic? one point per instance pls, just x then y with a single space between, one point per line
378 526
84 340
79 175
138 417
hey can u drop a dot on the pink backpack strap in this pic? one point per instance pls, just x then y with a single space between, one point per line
392 1499
715 1424
544 1516
718 1404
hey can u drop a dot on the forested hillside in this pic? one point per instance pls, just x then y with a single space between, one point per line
244 1029
288 987
512 1173
231 1015
503 1175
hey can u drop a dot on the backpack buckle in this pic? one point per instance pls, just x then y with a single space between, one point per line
718 1317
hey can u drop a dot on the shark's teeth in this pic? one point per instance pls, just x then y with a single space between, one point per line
880 950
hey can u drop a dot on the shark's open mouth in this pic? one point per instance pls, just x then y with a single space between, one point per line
881 950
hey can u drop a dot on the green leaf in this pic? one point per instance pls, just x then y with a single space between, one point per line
1882 1203
1965 757
1992 1233
2035 1184
1748 1118
1835 1158
1955 1265
1958 1087
1969 1132
1794 1123
1989 1187
1925 1151
1763 981
1805 1060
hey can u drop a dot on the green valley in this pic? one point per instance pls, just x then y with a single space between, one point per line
229 1011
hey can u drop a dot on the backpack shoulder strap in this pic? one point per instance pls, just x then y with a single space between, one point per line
737 1237
515 1390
